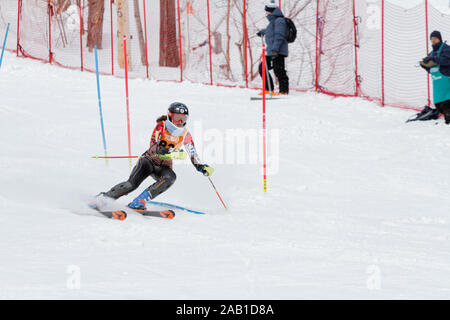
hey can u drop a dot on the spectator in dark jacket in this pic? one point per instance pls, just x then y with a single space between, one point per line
277 48
438 65
444 58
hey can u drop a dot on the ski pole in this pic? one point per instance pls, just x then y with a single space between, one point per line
4 45
217 193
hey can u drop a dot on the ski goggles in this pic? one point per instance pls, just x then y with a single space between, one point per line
178 116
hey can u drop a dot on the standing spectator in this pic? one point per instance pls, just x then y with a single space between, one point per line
277 48
438 65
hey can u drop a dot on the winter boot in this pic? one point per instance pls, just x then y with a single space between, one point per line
268 92
447 117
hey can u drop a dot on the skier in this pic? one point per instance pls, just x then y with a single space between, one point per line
169 135
438 65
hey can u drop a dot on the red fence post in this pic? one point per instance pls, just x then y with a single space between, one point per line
317 45
355 28
245 44
179 36
209 41
427 50
112 37
19 11
50 54
382 54
81 33
146 38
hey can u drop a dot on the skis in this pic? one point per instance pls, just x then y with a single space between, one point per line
118 215
166 214
426 114
122 215
267 98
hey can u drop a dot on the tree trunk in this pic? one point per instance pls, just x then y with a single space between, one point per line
169 55
227 54
62 6
95 24
123 29
137 16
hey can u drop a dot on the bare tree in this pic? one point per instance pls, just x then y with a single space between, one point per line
95 24
168 49
137 16
123 30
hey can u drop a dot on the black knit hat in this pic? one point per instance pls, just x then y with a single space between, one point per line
436 34
270 7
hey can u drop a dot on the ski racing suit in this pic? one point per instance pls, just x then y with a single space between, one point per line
166 137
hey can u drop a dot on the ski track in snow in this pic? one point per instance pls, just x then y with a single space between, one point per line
357 209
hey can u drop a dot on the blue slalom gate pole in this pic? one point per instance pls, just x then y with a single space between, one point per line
4 45
174 206
100 103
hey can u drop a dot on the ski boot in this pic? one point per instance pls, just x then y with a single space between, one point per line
140 201
100 201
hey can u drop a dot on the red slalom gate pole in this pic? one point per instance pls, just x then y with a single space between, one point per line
264 114
127 96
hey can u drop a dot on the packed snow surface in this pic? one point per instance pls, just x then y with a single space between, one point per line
356 206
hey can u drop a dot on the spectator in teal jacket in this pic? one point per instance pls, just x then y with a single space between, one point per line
438 65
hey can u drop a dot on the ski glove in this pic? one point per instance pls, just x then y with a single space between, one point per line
162 150
205 169
175 155
428 62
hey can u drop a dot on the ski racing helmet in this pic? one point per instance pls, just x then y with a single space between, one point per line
178 113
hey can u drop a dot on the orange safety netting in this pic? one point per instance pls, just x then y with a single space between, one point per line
343 48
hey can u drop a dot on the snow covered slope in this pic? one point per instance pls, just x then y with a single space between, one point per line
357 203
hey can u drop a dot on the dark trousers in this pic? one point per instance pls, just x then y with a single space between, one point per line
444 108
279 68
164 176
